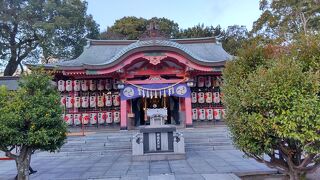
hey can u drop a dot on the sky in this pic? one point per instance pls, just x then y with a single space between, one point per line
187 13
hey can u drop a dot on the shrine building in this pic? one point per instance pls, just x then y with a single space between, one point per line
115 82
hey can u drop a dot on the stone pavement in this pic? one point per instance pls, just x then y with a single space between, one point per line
107 155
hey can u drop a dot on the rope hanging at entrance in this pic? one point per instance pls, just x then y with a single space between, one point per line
156 92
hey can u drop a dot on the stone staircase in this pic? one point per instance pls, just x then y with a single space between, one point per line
208 139
105 142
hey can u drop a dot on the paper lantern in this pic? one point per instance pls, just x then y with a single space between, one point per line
208 97
209 113
202 114
101 117
92 85
116 100
100 101
63 100
116 116
69 102
201 97
69 85
77 119
77 85
216 97
109 117
108 84
217 114
195 114
108 99
93 118
100 85
85 118
194 97
77 102
93 101
85 101
61 85
201 81
208 81
84 85
68 118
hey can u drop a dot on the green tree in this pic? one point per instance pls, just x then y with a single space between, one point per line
273 107
125 28
197 31
287 17
132 28
30 120
50 28
234 38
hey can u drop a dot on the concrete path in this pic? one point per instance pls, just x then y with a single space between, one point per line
107 155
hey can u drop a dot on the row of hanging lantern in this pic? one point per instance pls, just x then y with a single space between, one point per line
92 101
205 81
87 85
206 97
92 118
208 114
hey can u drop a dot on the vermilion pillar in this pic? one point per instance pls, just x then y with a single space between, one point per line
188 108
123 120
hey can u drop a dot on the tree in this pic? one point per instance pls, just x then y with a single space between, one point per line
273 107
234 38
132 28
288 17
30 120
197 31
49 28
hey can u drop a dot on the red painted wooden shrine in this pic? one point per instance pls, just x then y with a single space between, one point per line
93 86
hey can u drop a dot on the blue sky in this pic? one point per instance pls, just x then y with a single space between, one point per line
186 13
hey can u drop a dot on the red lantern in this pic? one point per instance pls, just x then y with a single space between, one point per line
217 114
85 118
68 119
101 117
69 102
63 100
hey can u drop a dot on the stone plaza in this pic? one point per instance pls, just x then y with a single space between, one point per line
106 154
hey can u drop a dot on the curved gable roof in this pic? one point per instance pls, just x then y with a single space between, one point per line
107 52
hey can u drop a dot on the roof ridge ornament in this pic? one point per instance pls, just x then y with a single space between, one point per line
153 32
